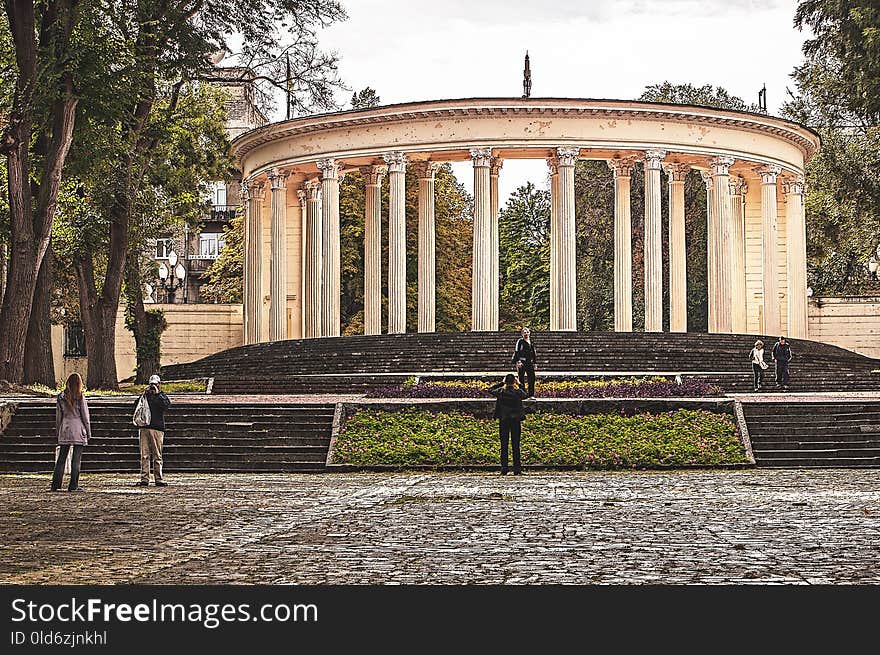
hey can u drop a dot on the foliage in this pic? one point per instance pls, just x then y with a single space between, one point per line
688 94
149 341
524 259
365 99
837 87
178 386
596 441
630 387
453 238
223 279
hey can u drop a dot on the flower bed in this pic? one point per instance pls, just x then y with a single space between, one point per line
632 387
417 437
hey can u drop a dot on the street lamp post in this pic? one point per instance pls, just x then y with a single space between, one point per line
171 277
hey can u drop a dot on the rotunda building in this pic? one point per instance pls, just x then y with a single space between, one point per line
752 164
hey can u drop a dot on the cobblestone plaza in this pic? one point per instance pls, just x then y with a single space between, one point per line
779 526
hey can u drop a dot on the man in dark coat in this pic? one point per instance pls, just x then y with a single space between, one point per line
525 356
510 413
782 356
152 435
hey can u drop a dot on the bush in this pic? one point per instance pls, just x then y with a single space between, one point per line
418 437
632 387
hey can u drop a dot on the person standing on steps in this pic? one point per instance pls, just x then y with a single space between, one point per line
152 435
782 356
525 357
73 429
756 357
510 414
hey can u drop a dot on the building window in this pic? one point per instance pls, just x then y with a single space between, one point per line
210 245
164 248
74 341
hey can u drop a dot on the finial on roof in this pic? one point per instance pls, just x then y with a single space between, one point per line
527 78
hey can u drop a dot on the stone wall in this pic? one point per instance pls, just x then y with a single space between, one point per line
194 331
851 322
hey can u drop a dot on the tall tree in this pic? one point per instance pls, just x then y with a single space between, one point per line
161 47
365 98
837 89
35 140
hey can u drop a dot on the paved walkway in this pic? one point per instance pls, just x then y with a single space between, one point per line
708 527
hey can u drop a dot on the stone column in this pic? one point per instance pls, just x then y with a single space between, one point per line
712 243
330 271
553 164
303 198
676 174
793 188
622 169
373 176
313 261
247 264
494 279
257 193
396 242
482 158
720 168
425 170
278 264
738 313
770 238
653 243
566 312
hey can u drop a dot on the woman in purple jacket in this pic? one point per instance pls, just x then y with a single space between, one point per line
73 428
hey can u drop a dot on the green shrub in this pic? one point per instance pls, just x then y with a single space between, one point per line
418 437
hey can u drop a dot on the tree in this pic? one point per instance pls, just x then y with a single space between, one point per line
688 94
159 49
224 276
524 259
837 87
42 66
365 99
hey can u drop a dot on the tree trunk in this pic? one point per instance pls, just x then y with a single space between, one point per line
39 365
4 257
140 324
99 327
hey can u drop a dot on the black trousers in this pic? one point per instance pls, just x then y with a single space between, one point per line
75 461
524 371
759 375
781 373
510 430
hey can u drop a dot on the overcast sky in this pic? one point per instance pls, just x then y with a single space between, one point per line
411 50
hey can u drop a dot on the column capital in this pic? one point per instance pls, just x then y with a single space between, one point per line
277 178
676 172
256 189
738 186
481 156
721 164
653 157
396 162
567 155
769 173
707 178
374 174
794 185
302 196
329 168
244 192
621 167
425 170
495 166
553 165
313 188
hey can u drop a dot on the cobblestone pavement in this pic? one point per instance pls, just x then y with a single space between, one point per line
784 526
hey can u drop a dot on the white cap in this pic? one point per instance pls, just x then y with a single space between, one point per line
154 379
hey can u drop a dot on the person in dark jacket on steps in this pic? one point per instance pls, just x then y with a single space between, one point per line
781 354
510 414
152 435
525 356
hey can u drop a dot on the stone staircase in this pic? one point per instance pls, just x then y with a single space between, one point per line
839 433
200 437
352 364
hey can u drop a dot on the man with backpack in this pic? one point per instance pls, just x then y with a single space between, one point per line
153 433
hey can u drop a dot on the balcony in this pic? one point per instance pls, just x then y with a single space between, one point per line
198 264
223 213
